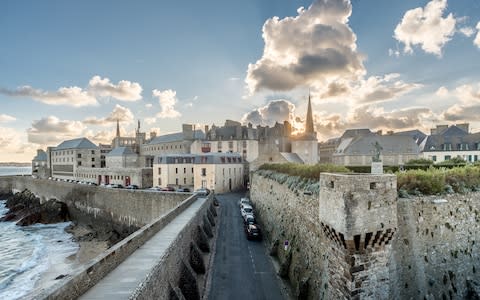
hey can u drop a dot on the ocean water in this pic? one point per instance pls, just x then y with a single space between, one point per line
4 171
31 257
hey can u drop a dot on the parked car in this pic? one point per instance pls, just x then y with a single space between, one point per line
253 232
168 189
155 188
132 187
202 192
244 201
246 210
249 220
183 190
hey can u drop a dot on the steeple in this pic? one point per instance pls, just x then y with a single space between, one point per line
138 127
309 122
118 129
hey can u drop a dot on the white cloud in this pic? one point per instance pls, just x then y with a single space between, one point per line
274 111
124 90
316 47
476 41
70 96
13 148
101 137
392 52
119 113
78 97
51 130
442 92
150 121
426 27
6 118
167 100
467 31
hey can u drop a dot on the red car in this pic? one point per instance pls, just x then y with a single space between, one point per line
168 189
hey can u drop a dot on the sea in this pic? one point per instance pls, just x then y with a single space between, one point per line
31 257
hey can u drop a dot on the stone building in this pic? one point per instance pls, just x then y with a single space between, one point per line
40 164
447 142
222 172
72 154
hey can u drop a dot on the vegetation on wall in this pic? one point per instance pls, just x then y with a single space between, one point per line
433 180
304 171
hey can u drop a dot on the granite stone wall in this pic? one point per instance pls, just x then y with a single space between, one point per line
98 204
424 247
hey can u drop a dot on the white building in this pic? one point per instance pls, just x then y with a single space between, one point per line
222 172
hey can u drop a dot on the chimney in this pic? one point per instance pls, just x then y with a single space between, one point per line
464 126
379 132
153 134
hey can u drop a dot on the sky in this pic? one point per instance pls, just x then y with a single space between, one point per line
71 69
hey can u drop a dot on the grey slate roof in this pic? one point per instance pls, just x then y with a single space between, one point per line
175 137
121 151
42 156
80 143
456 137
391 144
292 157
416 134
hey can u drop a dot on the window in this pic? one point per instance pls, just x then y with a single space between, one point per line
219 146
176 181
79 155
93 152
93 166
204 172
447 157
159 171
244 144
176 170
192 170
447 147
93 158
160 181
230 145
475 157
79 163
434 158
184 180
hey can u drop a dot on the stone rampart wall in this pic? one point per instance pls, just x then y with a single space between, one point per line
434 252
131 208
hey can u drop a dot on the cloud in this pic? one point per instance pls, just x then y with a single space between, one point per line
119 113
442 92
51 130
316 47
78 97
372 89
6 118
149 105
426 27
392 52
460 112
167 100
150 121
70 96
124 90
476 41
374 118
274 111
467 31
381 88
101 137
13 148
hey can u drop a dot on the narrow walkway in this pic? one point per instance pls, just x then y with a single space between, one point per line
122 281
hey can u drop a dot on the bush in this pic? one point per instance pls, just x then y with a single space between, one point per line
439 180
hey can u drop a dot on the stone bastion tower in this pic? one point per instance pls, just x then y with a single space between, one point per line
358 215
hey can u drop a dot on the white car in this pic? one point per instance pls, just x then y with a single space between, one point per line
244 201
247 210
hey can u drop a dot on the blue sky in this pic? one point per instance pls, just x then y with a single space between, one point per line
71 69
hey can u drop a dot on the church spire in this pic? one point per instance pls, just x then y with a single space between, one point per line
118 129
309 122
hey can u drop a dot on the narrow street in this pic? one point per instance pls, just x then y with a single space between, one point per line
241 268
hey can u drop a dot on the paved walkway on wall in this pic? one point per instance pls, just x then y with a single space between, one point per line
241 268
122 281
